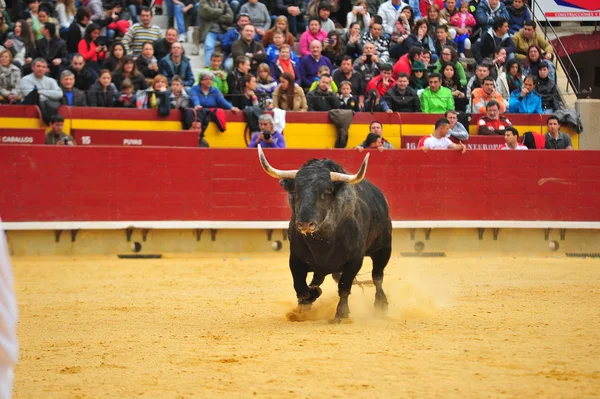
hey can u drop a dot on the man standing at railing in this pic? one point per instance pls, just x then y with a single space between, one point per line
527 37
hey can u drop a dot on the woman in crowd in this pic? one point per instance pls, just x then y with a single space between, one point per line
21 44
450 10
117 52
434 19
284 63
4 29
511 79
419 37
288 95
352 41
65 10
281 23
449 55
314 32
248 97
334 48
157 96
451 80
146 63
10 77
93 53
33 8
498 63
265 85
533 60
360 16
128 70
402 30
103 93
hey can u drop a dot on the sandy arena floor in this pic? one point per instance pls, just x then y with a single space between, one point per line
216 327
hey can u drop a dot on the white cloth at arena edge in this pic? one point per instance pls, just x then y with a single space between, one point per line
9 345
279 117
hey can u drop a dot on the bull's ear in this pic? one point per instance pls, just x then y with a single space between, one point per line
287 184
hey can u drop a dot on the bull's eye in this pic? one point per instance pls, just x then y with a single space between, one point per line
325 195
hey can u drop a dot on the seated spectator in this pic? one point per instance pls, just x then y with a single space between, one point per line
374 103
135 8
37 81
92 52
382 82
376 129
259 15
77 29
547 89
352 41
419 78
534 61
177 64
52 49
402 98
451 80
162 47
323 70
426 60
147 64
323 99
115 58
128 70
273 49
366 64
434 20
360 15
346 98
449 11
310 64
128 98
482 71
21 45
511 79
179 96
492 39
215 18
402 30
139 33
555 139
72 96
156 96
493 123
65 12
294 11
232 35
333 48
457 129
284 63
346 73
511 137
518 15
265 84
498 63
463 23
249 47
373 141
181 9
389 13
234 79
375 35
526 100
489 11
324 11
439 140
108 18
289 96
43 18
84 78
281 24
527 37
486 93
405 62
268 137
220 76
10 76
205 95
247 97
419 37
56 136
103 93
442 39
313 34
436 99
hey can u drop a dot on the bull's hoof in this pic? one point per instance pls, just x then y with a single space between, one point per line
313 293
381 302
342 312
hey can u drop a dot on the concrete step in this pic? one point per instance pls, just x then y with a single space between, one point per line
162 21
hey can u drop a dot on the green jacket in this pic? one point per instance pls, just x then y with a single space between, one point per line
211 12
436 103
218 83
459 69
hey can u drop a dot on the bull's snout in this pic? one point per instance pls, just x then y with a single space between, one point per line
306 228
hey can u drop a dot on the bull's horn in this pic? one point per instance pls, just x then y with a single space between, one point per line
271 171
352 179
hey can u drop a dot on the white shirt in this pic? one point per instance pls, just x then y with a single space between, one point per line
434 143
519 147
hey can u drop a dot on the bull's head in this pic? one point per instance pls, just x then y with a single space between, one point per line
316 193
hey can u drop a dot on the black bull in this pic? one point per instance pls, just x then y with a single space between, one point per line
337 220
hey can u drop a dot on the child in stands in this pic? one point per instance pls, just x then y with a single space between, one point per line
463 22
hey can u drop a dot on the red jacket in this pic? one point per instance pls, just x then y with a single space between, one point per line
377 84
89 51
489 127
403 65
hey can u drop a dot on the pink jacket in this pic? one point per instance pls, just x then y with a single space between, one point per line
306 38
457 20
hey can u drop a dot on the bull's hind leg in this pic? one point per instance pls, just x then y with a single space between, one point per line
380 261
351 269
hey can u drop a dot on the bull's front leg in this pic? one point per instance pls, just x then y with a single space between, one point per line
351 269
306 295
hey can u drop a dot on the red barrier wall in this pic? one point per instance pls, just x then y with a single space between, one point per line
119 183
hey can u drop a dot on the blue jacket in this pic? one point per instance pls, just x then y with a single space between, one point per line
485 16
273 52
309 68
167 68
517 18
214 98
530 104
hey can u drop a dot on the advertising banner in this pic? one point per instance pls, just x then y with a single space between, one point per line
568 10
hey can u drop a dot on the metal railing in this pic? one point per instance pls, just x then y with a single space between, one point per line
570 65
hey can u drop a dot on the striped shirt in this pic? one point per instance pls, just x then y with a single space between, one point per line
137 35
